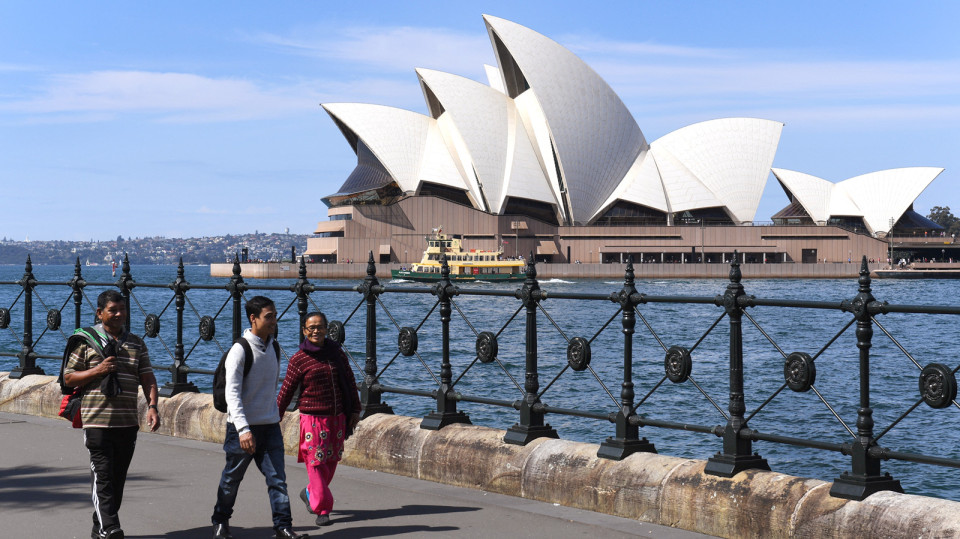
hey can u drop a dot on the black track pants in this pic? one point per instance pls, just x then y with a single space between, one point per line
111 451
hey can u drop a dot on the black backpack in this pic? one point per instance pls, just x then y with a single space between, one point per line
89 336
220 374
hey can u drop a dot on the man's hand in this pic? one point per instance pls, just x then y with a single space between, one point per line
153 419
247 442
107 366
353 420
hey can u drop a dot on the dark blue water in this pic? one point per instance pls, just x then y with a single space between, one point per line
894 377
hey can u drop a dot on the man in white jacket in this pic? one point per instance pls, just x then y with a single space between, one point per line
253 423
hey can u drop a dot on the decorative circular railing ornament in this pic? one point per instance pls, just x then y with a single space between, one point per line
4 318
336 331
678 364
487 347
207 328
799 372
407 341
53 319
578 354
938 385
151 325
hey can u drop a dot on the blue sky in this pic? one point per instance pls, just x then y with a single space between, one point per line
203 118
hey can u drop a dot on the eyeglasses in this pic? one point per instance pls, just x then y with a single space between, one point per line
314 329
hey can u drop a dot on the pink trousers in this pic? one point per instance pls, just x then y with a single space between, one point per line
321 447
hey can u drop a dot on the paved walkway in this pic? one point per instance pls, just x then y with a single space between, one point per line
45 478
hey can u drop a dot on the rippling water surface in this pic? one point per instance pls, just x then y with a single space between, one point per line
894 376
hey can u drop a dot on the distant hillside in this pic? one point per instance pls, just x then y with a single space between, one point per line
157 250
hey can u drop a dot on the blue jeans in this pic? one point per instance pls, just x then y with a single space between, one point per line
269 459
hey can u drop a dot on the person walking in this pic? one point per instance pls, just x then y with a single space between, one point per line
253 423
108 407
329 410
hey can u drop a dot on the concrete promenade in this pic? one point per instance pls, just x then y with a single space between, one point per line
45 493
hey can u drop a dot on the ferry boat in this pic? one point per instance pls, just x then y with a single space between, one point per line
472 265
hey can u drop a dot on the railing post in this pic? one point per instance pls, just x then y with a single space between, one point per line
77 283
865 478
737 452
531 425
370 390
126 284
236 287
446 413
627 441
28 359
302 288
178 371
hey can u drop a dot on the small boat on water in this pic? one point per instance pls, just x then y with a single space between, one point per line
472 265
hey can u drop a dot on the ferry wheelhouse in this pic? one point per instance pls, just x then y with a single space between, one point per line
472 265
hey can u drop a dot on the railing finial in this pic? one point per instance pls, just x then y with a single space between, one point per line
371 265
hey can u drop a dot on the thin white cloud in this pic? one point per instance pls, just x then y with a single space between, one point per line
809 79
395 49
598 46
697 77
376 65
178 96
188 98
6 67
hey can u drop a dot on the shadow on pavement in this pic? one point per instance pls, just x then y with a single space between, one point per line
38 487
359 515
345 533
383 531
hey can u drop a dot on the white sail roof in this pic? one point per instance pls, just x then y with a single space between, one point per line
405 143
886 194
877 197
731 157
595 137
495 144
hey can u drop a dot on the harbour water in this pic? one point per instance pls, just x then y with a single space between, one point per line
894 377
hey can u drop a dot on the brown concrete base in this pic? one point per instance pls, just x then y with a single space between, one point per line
647 487
356 271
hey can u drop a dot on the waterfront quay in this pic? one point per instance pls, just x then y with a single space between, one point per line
343 270
45 477
718 410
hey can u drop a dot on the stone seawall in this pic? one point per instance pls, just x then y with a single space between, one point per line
647 487
357 271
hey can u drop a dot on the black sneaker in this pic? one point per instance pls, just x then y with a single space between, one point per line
324 520
306 501
112 533
222 531
287 533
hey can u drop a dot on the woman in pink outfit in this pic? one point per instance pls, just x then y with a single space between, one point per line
329 409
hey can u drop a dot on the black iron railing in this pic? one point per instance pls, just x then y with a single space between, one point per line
629 415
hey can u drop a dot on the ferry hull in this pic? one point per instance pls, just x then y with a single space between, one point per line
421 277
917 274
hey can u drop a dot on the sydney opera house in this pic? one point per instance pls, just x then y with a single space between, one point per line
545 158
